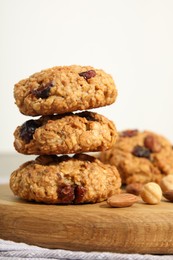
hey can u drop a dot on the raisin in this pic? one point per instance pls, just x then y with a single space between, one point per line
88 116
66 193
88 74
27 130
79 193
152 144
84 157
140 151
129 133
43 91
46 159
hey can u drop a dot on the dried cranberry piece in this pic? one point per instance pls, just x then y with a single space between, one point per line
79 193
129 133
88 116
43 91
66 193
27 130
88 74
140 151
152 144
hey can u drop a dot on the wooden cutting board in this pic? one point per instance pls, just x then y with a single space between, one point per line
141 228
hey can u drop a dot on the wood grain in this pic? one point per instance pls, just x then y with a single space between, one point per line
141 228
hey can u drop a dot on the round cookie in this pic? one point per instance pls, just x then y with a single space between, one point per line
64 89
65 180
140 156
65 134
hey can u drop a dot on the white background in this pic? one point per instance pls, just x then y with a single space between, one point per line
130 39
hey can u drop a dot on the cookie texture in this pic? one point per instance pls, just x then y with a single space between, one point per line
64 89
65 180
65 134
140 156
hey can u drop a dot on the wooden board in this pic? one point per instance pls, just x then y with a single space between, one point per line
141 228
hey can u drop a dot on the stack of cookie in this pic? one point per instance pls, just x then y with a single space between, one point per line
55 177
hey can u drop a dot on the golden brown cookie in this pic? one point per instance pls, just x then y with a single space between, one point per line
64 134
140 156
65 89
65 180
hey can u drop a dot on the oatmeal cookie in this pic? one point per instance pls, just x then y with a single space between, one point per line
65 134
65 180
60 90
140 156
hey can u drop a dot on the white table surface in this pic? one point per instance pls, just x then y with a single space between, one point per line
10 162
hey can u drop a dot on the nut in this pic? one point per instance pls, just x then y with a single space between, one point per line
168 195
167 183
134 188
151 193
122 200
